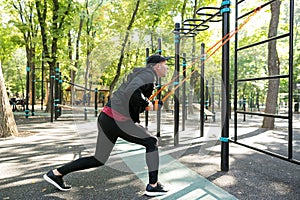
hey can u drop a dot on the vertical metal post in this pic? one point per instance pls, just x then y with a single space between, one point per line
158 112
244 107
291 69
251 101
206 95
230 88
85 110
176 95
96 102
60 94
147 112
184 92
202 59
235 71
213 99
42 87
27 92
51 98
225 11
257 100
56 93
33 89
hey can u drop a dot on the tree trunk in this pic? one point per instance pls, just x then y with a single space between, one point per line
273 67
72 72
8 125
76 65
89 49
116 78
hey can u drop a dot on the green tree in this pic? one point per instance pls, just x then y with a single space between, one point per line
27 24
51 31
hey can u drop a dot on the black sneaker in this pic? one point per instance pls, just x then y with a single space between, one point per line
57 181
156 191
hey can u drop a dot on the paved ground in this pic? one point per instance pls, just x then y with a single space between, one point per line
192 168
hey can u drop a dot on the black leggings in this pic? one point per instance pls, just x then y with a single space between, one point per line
108 132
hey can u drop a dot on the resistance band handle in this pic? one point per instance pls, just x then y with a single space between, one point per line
157 104
148 108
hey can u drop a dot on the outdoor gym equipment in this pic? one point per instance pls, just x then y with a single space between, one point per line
289 77
201 25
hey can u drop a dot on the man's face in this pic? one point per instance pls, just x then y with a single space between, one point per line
162 69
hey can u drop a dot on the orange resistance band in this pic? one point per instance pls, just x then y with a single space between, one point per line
228 36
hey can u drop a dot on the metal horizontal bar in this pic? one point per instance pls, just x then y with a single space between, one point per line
267 152
240 2
187 22
195 25
75 85
206 14
199 29
207 8
190 24
191 36
205 21
262 6
193 20
263 114
210 15
264 41
263 78
202 25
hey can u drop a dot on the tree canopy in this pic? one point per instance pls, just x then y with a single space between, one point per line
97 42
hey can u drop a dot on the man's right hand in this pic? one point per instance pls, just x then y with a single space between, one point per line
150 106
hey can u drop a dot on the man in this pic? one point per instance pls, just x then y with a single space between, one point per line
120 118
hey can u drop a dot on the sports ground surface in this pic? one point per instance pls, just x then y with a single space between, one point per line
191 170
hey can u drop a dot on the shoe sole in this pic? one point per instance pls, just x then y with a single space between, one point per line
49 180
153 194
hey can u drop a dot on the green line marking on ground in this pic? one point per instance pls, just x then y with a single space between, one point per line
183 182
